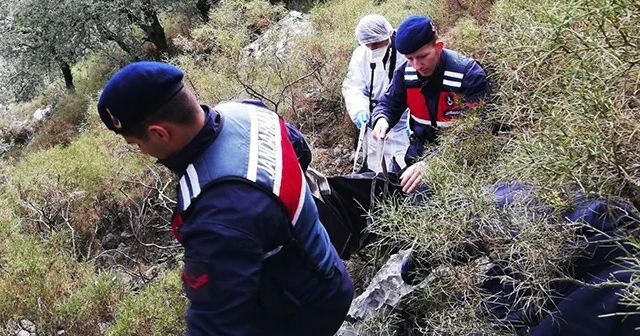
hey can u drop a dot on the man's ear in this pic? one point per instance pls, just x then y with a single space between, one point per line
158 132
439 45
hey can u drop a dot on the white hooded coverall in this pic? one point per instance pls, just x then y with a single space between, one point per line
355 89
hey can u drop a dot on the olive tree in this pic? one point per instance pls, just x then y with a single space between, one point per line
44 38
40 37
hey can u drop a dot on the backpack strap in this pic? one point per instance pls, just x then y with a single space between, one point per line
394 55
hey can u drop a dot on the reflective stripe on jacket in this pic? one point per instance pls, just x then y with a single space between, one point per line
263 155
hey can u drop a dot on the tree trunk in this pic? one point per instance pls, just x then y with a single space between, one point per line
110 36
154 31
204 6
66 72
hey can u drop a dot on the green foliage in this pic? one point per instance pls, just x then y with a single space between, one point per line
631 295
566 79
7 221
177 24
383 325
157 310
42 282
92 72
234 24
84 310
215 58
95 124
209 80
341 17
81 167
66 189
450 13
28 267
41 37
20 111
64 124
564 76
465 37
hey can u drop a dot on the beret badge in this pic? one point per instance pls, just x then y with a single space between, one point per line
116 123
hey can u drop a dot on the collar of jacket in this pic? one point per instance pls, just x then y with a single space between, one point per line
178 163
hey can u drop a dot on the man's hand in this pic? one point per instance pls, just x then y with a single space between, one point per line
380 129
411 179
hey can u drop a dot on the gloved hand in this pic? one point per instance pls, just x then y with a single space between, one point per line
362 119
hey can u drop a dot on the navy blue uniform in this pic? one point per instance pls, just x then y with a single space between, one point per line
238 284
456 84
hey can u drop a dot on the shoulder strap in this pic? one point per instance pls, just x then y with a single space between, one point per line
372 66
394 54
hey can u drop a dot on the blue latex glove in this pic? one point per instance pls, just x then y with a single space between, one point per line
362 119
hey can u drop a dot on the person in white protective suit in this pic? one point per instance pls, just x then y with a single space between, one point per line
370 71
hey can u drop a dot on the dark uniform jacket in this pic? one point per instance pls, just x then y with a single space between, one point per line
241 275
457 83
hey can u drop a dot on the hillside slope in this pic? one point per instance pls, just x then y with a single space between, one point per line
85 245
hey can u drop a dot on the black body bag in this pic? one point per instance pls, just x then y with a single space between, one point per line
344 203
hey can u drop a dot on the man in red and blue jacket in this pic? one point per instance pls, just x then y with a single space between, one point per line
436 84
257 260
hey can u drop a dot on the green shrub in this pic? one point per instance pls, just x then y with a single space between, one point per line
42 282
234 24
92 73
62 127
212 80
8 222
64 188
449 13
464 37
87 308
157 310
176 24
95 124
564 76
562 72
82 167
20 111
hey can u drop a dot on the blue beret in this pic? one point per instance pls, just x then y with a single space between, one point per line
136 91
413 33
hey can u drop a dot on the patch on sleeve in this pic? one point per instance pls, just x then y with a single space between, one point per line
196 281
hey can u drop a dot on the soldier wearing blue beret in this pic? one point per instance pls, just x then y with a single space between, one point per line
257 260
436 84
